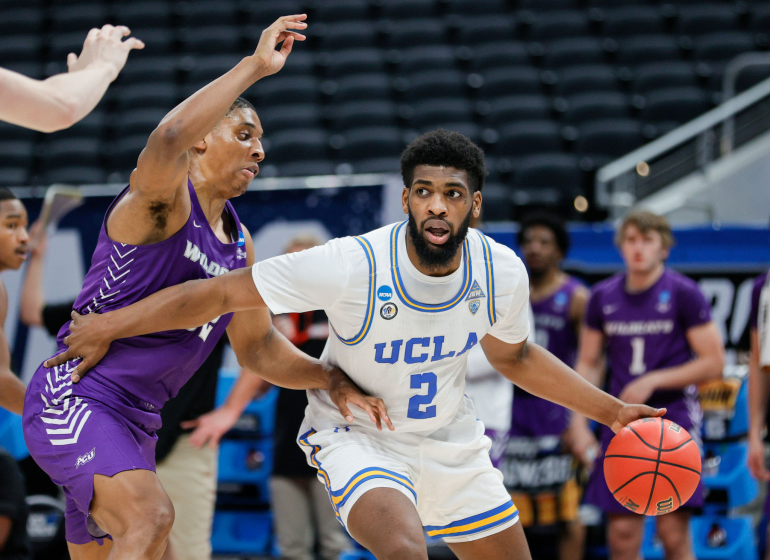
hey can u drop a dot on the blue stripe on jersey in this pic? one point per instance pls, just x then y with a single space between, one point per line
370 300
401 289
490 279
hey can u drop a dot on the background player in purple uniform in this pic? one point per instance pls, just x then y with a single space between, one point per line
558 303
96 438
655 327
13 253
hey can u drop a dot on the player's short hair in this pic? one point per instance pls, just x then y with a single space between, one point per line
448 149
550 221
646 221
240 103
7 194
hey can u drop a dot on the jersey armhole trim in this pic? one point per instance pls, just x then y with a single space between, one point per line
491 311
406 299
369 300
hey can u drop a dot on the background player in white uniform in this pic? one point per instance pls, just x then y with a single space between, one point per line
407 302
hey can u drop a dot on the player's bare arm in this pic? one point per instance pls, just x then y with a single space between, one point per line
759 393
62 100
259 347
706 343
11 388
537 371
158 203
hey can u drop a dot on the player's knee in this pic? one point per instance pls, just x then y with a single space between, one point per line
675 541
624 540
158 520
404 547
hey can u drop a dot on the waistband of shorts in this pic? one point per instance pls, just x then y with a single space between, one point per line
114 387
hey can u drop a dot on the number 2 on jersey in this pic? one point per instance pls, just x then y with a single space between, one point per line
416 381
638 367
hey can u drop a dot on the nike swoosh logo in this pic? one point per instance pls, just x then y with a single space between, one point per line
196 225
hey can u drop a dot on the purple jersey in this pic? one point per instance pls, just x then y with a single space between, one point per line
106 423
644 332
533 416
154 367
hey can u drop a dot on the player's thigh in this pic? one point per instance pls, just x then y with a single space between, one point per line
90 551
133 499
624 532
674 529
508 544
385 521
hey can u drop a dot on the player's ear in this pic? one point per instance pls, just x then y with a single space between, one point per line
200 146
476 204
405 200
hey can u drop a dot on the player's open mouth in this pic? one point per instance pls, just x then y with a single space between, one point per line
436 232
21 253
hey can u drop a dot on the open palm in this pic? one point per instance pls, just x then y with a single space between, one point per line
267 56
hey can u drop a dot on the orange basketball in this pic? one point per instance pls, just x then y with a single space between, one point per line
652 466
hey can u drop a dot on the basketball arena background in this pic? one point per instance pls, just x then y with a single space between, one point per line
584 107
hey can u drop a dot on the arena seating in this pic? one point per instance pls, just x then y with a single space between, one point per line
590 79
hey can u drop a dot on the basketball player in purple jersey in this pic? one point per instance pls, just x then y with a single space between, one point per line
13 252
655 327
173 223
558 303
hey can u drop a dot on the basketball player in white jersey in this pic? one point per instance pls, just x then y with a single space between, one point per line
406 303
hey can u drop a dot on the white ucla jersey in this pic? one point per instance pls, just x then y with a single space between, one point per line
401 335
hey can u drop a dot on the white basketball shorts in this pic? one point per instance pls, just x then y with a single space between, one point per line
447 473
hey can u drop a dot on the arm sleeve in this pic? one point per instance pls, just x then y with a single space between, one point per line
594 317
55 316
303 281
11 487
693 307
512 305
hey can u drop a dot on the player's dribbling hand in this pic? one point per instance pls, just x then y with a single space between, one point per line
86 340
269 59
631 412
343 391
756 459
105 46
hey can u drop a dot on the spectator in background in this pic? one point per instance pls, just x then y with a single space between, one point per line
759 383
660 342
13 511
538 438
62 100
186 468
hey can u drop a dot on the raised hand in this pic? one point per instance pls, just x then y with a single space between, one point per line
87 340
343 391
105 46
266 56
630 412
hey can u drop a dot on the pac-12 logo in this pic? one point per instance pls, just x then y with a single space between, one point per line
388 311
474 305
384 293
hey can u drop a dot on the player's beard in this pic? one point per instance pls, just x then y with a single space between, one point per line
437 256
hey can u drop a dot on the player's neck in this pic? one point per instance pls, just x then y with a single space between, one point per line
542 286
639 281
414 258
213 205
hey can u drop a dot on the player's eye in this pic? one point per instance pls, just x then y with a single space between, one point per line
422 191
453 194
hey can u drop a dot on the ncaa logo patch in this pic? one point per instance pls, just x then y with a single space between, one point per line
384 293
664 301
388 311
241 239
474 305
